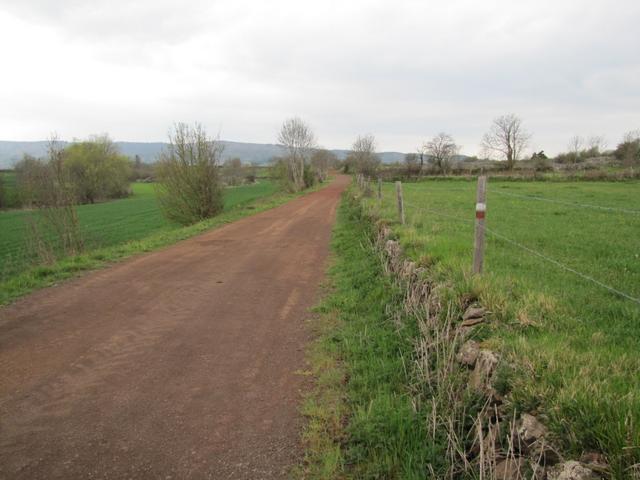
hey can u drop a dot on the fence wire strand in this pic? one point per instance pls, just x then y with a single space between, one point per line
532 252
564 202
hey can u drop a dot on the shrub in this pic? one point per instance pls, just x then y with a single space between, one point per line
189 188
629 150
97 170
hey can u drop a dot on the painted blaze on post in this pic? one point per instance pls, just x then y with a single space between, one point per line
481 211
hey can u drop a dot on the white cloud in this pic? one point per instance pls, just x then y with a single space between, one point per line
402 70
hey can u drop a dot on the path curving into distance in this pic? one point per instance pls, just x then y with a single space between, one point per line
179 363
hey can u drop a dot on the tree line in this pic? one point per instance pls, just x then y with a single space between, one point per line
507 140
91 171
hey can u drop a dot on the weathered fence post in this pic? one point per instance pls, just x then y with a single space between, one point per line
400 202
481 210
380 189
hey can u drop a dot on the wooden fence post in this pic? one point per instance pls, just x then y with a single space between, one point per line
400 202
380 189
481 210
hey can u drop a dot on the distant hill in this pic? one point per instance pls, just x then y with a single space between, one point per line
260 153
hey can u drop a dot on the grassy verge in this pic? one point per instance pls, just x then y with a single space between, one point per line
571 344
361 420
42 276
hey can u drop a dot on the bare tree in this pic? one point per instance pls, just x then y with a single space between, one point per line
31 173
441 148
576 145
597 144
54 227
363 156
189 187
233 171
506 138
321 161
298 138
629 150
412 164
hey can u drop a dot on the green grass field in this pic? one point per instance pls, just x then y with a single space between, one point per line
110 223
574 344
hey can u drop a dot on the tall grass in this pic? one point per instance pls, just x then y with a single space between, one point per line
362 419
573 345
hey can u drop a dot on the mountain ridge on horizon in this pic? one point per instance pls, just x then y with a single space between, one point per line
260 153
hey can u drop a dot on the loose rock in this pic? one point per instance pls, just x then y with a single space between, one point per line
468 353
510 469
392 248
531 439
530 429
482 374
595 461
471 322
570 470
474 313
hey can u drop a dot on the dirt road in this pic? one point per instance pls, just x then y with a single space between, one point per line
176 364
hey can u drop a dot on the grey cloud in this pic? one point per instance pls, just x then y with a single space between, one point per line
402 70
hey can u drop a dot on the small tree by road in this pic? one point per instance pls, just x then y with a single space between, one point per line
321 161
297 137
53 228
506 139
363 157
189 187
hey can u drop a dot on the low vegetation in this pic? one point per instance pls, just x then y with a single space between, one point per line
116 230
304 163
361 420
565 343
91 171
189 182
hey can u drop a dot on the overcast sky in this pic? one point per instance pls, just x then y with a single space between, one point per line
401 70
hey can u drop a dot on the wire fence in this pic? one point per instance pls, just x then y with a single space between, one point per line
478 222
572 204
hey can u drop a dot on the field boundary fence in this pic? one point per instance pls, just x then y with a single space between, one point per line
480 229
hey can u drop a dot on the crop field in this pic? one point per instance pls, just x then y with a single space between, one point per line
562 283
110 223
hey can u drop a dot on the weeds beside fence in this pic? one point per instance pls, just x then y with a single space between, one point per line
560 287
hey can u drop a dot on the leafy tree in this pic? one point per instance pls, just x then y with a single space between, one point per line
97 170
189 187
